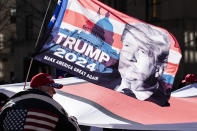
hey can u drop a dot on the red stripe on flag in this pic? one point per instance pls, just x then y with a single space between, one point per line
42 118
171 68
174 43
44 112
38 125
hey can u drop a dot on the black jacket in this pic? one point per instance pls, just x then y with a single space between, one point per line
34 109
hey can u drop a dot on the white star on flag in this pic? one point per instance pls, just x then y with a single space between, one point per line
53 19
59 2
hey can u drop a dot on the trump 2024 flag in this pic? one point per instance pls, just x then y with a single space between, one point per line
106 47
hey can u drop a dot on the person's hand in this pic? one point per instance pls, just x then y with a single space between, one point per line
73 119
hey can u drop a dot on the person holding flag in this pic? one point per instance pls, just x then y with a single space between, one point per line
35 109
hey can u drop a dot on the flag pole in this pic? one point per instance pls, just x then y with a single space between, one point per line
37 43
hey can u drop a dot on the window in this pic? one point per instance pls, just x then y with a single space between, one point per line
121 5
190 53
153 10
29 27
1 41
1 69
13 15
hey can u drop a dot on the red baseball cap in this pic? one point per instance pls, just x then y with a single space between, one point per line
44 79
190 78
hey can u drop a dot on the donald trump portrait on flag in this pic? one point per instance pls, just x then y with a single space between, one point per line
143 59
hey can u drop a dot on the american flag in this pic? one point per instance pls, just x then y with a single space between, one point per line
29 120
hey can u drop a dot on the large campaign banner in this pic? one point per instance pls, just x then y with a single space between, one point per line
106 108
106 47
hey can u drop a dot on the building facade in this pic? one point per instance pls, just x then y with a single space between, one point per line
7 39
31 27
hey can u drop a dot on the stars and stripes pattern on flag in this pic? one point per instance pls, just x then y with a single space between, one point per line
33 119
15 119
55 14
